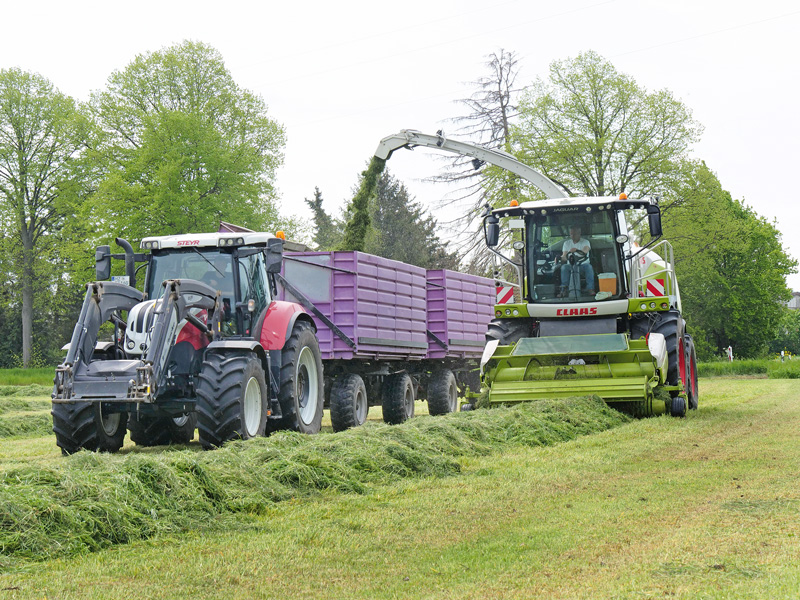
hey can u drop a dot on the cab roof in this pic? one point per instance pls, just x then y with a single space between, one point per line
208 240
587 203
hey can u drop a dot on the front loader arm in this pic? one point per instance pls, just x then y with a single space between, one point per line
180 296
408 138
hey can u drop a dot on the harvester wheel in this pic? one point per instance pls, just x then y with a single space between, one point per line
147 430
302 387
678 407
670 325
86 426
349 405
693 393
398 398
231 399
442 392
508 331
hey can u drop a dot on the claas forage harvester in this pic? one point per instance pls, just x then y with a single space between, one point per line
593 312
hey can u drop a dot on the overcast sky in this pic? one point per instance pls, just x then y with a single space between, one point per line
340 76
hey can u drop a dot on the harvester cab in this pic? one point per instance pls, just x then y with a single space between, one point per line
593 312
204 344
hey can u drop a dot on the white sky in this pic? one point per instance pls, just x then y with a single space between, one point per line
340 76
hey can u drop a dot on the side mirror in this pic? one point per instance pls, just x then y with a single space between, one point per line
491 230
654 220
273 257
102 263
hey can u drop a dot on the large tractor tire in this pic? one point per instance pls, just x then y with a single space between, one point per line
232 401
508 331
398 398
671 325
147 430
442 392
692 390
349 403
302 388
86 426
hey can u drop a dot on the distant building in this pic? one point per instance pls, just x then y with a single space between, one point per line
794 303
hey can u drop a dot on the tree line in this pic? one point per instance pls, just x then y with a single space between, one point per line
173 145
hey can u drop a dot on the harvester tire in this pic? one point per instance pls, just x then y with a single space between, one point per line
442 392
692 391
670 325
232 401
398 398
678 406
302 390
147 430
349 404
85 426
508 331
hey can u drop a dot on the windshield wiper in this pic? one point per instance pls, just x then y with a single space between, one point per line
200 254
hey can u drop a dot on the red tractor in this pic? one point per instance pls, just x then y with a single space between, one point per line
204 345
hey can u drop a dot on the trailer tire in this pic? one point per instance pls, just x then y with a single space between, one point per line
148 431
349 404
442 392
85 426
232 400
398 398
302 388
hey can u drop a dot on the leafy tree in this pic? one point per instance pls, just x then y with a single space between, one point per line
788 337
42 136
327 231
401 229
595 132
185 147
731 266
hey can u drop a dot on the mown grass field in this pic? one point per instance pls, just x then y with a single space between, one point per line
702 507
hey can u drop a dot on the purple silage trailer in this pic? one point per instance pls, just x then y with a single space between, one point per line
390 332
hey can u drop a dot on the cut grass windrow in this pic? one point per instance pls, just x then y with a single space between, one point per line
93 501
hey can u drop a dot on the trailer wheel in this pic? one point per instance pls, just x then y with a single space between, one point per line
147 430
349 404
693 393
232 399
302 387
86 426
398 398
442 392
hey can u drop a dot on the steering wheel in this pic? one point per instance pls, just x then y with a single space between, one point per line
578 257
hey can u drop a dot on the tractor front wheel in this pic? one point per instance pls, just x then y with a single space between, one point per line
87 426
232 400
147 430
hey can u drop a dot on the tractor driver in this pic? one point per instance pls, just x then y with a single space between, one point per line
575 256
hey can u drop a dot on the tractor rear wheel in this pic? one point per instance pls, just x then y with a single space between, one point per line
86 426
442 392
232 400
398 398
147 430
302 388
349 404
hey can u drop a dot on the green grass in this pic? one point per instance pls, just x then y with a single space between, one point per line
43 376
773 369
93 501
24 412
702 507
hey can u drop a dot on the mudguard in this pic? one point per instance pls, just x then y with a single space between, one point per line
277 323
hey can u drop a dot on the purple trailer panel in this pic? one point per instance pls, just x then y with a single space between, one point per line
378 303
460 307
